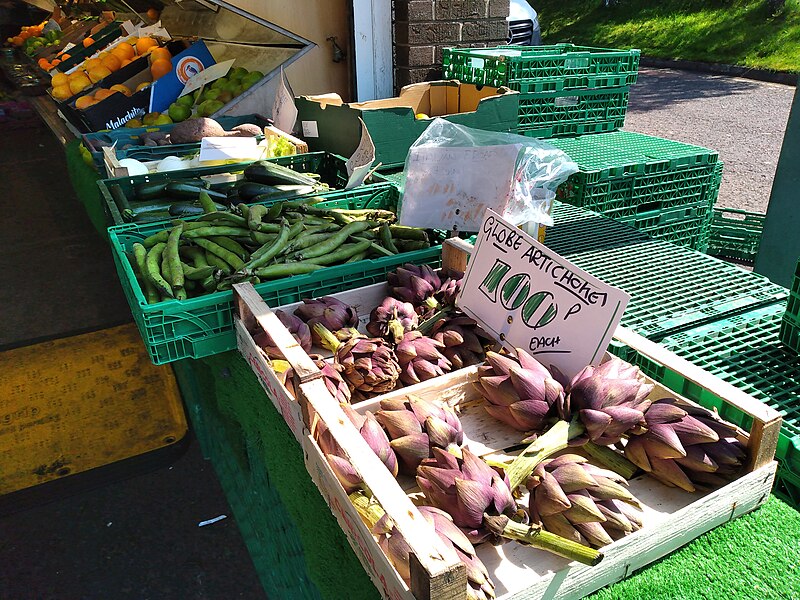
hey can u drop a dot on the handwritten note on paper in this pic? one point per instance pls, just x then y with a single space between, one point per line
532 298
230 148
284 112
206 76
451 188
359 164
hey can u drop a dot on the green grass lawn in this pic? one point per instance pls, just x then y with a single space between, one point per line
735 32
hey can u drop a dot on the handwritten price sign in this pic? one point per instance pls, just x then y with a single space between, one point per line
532 298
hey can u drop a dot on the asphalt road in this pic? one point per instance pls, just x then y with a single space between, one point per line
140 539
742 119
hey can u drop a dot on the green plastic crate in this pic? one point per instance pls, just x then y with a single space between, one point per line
736 234
574 112
330 167
745 351
790 334
202 326
565 65
672 288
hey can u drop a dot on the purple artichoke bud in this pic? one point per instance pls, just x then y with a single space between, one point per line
420 358
415 284
332 313
296 327
392 319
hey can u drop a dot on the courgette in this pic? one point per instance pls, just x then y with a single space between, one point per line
189 209
149 191
273 174
249 189
181 189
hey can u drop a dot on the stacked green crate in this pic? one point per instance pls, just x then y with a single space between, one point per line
662 187
736 234
564 89
745 351
790 325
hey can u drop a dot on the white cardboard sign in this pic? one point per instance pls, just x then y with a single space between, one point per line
451 188
230 148
284 112
359 164
534 299
207 76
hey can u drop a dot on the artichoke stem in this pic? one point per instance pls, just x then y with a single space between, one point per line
396 330
557 438
427 325
535 536
611 459
326 337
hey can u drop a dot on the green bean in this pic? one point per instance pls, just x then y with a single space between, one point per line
196 274
286 270
230 218
411 245
296 230
231 245
164 267
224 286
190 285
257 214
327 228
373 214
180 294
263 238
324 212
408 233
212 231
195 254
152 270
386 238
209 284
216 262
309 219
308 240
273 250
206 202
357 257
173 258
344 252
334 241
244 209
140 257
223 253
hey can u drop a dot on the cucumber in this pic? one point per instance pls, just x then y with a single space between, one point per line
189 209
149 191
181 189
282 195
249 190
274 174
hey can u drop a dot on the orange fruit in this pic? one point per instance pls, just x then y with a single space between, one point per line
99 73
103 93
55 62
43 63
123 51
84 102
101 55
91 63
143 44
78 84
17 41
87 42
112 62
158 53
160 67
124 63
143 85
153 13
59 79
122 89
62 92
65 56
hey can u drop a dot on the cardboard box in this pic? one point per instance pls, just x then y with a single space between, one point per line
117 109
328 124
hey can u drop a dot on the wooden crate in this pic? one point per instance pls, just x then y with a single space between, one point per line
671 517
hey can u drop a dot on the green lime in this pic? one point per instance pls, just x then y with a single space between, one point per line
219 83
187 100
179 112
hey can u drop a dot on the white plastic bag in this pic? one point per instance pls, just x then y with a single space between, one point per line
453 173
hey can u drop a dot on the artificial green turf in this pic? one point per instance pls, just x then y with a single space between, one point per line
754 557
739 32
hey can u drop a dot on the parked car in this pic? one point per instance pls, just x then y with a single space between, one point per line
523 24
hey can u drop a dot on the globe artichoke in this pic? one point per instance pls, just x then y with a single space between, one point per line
420 358
464 340
332 374
415 284
331 312
581 502
519 390
479 584
369 365
416 426
686 446
479 500
391 319
296 327
609 400
450 288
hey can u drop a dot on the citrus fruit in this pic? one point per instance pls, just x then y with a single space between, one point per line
160 67
102 94
59 79
99 73
87 42
178 112
162 120
55 62
153 13
122 89
66 56
186 100
150 118
123 51
112 62
62 92
124 63
91 63
78 84
160 52
143 85
142 44
84 102
130 124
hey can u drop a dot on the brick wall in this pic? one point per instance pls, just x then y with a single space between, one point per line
423 27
